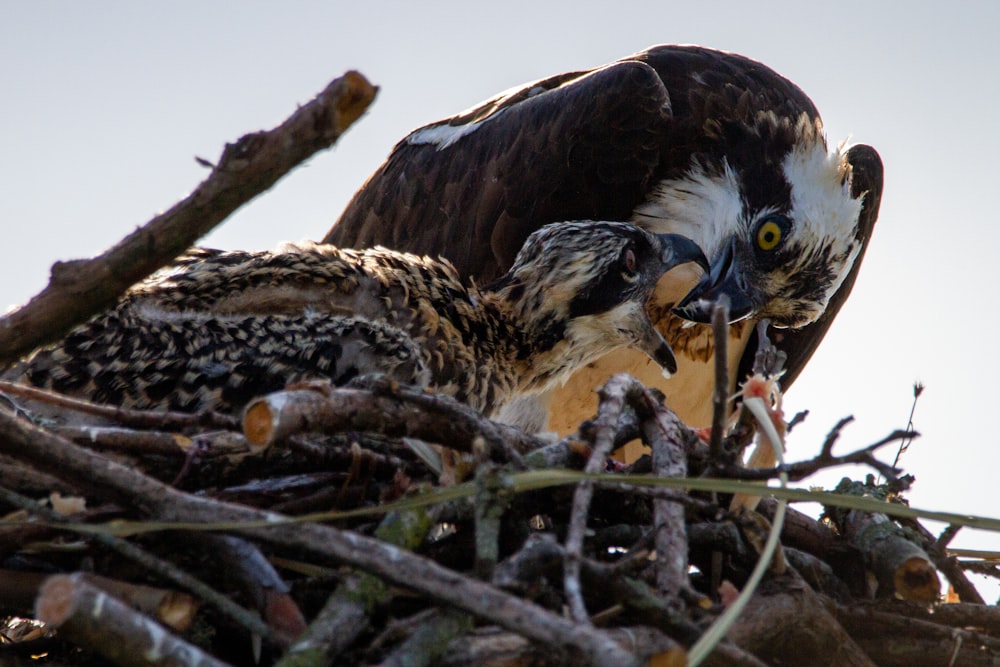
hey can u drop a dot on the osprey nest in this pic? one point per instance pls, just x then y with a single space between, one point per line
377 520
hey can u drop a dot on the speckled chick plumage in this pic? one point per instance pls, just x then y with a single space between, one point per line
218 328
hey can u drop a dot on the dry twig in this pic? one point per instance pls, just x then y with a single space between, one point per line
94 619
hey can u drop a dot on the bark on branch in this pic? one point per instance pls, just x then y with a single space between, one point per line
94 619
397 412
79 289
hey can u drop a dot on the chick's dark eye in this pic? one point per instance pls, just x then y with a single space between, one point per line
629 260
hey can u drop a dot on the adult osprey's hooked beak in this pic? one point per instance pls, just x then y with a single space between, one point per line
724 276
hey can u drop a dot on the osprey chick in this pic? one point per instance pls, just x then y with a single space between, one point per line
223 327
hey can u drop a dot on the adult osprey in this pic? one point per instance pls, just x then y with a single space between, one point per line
680 139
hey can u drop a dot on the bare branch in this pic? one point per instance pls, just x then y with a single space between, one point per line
662 431
119 415
91 618
81 288
720 397
802 469
612 396
394 411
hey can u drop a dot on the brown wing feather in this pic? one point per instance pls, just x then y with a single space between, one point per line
583 150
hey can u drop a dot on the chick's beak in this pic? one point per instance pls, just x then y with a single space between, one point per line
656 347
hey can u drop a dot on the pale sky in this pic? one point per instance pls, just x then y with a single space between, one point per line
106 104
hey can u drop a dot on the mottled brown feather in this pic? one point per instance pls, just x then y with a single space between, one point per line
221 327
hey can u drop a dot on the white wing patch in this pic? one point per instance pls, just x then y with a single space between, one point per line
445 135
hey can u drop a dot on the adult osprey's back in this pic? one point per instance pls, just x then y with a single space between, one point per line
681 139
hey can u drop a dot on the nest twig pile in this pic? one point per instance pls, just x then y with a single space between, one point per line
377 524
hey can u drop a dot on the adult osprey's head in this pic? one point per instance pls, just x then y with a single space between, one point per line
779 219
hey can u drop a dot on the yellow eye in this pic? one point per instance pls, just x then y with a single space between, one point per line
768 235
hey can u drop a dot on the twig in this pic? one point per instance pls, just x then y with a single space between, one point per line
245 568
82 288
430 640
831 438
985 618
802 469
19 477
644 602
612 401
493 492
904 640
95 620
127 441
720 397
347 612
662 432
918 388
946 536
987 568
403 411
123 416
338 623
540 554
797 419
19 589
338 451
801 530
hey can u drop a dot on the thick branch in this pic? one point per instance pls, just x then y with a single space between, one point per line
19 589
903 640
612 396
398 412
82 288
901 567
93 619
787 623
662 431
947 563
